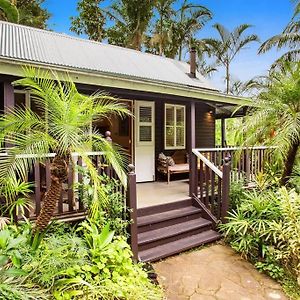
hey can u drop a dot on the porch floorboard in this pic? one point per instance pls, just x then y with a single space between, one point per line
160 192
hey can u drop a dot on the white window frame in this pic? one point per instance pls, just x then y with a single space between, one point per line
175 106
27 96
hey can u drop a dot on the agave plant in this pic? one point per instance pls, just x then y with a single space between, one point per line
63 126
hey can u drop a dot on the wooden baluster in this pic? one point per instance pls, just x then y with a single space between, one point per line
26 209
131 202
248 164
80 182
71 187
225 188
201 180
48 174
60 204
37 188
207 186
219 198
212 181
109 139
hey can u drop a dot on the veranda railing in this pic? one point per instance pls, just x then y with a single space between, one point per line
214 168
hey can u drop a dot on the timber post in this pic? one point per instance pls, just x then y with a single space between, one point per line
131 203
225 188
192 144
108 170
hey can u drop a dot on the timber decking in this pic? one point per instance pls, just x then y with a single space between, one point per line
164 230
165 250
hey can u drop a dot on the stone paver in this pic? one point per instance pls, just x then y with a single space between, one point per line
215 273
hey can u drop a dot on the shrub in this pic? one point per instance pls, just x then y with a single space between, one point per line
265 228
114 211
236 194
88 263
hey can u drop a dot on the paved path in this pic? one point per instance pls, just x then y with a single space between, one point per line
214 273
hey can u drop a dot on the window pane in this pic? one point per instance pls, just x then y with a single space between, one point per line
20 100
180 136
145 134
180 116
145 114
170 118
170 136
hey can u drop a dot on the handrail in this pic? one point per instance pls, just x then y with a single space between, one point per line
51 155
235 148
208 163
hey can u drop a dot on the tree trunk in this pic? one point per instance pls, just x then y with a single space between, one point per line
227 79
180 53
59 173
289 163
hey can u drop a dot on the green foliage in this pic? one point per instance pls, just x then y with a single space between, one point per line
228 45
9 249
271 268
265 228
131 19
88 263
14 195
90 21
63 125
294 180
114 212
33 13
8 11
274 120
289 39
237 194
109 274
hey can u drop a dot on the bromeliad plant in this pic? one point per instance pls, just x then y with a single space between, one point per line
63 126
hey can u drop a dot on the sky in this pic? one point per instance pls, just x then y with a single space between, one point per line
268 17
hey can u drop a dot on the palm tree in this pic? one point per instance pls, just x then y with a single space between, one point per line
9 11
276 114
63 127
190 18
290 38
132 18
228 46
162 32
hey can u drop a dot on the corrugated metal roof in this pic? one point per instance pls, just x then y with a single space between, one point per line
46 47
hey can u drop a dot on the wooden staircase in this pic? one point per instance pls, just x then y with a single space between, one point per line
168 229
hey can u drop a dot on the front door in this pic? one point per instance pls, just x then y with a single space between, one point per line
144 141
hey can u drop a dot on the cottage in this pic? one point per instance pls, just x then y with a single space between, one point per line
174 109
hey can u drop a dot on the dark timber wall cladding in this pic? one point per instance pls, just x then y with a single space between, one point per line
205 126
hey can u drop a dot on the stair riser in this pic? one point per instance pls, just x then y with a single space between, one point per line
173 238
154 259
163 207
165 223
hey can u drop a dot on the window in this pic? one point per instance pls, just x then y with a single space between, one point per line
174 126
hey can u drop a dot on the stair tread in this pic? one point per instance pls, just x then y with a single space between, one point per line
167 215
183 244
172 230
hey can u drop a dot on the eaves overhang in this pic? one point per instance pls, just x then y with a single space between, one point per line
15 67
